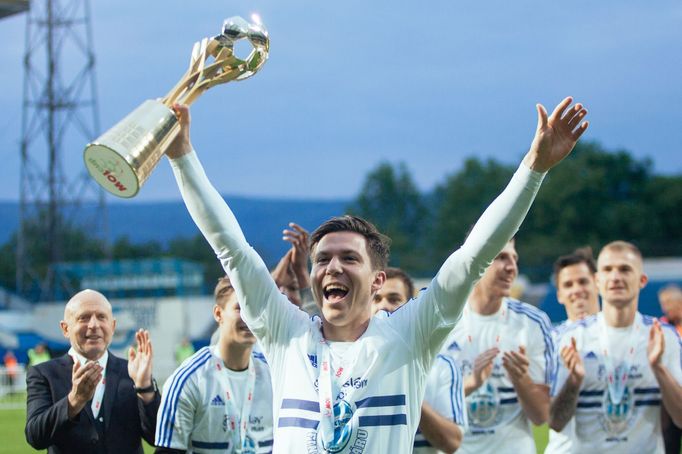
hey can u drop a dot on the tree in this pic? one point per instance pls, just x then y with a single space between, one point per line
390 200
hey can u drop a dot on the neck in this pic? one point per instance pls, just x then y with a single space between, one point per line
343 333
483 303
620 315
235 356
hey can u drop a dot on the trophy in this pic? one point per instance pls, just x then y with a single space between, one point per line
122 158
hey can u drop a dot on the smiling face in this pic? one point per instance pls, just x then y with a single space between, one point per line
344 283
577 291
88 323
620 277
498 279
391 296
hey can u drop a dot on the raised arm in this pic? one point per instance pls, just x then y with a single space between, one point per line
555 137
219 226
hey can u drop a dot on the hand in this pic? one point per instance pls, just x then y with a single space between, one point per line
283 273
140 360
555 136
483 367
84 381
181 145
656 345
516 364
300 251
574 363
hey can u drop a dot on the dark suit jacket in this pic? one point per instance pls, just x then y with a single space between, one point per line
126 418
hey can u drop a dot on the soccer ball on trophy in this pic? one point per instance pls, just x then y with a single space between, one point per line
122 158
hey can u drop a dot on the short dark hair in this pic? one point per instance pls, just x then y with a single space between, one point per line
222 291
393 273
580 255
378 244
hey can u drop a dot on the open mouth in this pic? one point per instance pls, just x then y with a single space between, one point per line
335 292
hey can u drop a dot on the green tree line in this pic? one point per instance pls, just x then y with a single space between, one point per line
594 197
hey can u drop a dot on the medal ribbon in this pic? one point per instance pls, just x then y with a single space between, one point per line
326 395
239 427
617 376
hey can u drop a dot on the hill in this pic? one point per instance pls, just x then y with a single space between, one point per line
261 219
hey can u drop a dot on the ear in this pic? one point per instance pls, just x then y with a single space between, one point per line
217 313
643 279
113 326
65 328
557 298
378 282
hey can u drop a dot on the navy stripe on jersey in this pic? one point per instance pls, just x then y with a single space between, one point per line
422 444
383 420
298 404
209 445
170 404
542 320
647 390
456 404
588 404
297 422
511 400
647 402
381 401
265 443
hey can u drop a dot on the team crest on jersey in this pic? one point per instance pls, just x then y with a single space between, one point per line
483 405
249 446
343 428
616 416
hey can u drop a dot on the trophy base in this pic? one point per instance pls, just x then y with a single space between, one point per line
111 171
122 158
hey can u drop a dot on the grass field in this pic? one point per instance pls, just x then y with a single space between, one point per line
13 441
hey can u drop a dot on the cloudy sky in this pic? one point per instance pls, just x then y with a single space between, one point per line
350 84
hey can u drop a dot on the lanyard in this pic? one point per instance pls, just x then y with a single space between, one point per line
238 427
326 389
617 375
97 398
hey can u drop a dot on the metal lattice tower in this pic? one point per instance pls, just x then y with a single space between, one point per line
60 115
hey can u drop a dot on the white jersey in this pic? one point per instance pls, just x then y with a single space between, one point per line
445 394
560 442
195 414
496 420
376 392
623 418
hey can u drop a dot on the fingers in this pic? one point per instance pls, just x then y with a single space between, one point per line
574 116
131 354
573 343
559 109
542 116
182 112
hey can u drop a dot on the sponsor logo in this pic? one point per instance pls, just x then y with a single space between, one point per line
217 401
356 383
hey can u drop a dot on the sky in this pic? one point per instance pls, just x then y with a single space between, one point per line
351 84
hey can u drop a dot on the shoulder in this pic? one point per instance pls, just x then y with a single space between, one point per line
529 313
53 367
586 324
196 364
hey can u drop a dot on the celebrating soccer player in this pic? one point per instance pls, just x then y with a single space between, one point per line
350 382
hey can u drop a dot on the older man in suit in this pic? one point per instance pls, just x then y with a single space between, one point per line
90 401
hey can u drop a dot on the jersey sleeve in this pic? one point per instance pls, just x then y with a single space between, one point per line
427 320
540 350
266 311
176 417
672 355
445 386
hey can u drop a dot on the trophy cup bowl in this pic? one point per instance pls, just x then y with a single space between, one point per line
122 159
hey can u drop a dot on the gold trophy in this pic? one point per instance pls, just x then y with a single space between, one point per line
122 158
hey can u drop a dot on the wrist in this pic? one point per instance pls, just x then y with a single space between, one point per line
146 386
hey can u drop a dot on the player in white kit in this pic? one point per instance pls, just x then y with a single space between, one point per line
619 367
576 290
220 399
349 382
443 416
506 352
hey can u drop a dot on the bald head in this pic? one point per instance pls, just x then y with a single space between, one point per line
88 323
86 295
